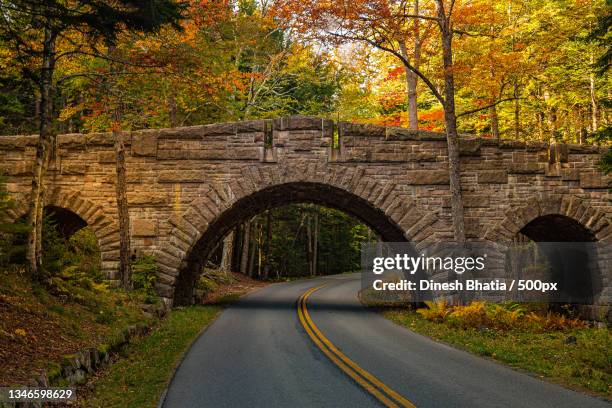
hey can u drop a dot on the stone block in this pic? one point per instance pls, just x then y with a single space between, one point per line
422 157
219 129
200 154
570 174
107 157
535 146
245 153
428 177
470 201
73 169
354 129
557 153
472 227
391 157
493 177
511 144
181 176
249 126
13 142
72 141
594 180
181 133
147 199
268 155
398 133
526 168
100 139
16 168
144 143
298 122
144 228
469 147
584 149
552 169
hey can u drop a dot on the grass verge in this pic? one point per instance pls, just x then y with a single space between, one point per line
139 377
37 327
578 358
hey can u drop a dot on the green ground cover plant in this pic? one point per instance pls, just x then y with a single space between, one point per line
550 345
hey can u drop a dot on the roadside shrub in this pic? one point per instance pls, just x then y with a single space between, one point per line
71 269
554 321
435 311
211 280
144 276
206 284
504 316
56 253
472 315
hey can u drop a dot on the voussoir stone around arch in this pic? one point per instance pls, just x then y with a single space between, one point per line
593 218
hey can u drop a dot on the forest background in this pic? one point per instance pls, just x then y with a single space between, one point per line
523 69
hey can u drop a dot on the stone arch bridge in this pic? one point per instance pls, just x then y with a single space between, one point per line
187 187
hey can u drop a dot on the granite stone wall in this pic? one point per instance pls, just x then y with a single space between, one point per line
189 186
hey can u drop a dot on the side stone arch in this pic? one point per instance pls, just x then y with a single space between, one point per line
593 218
104 228
188 228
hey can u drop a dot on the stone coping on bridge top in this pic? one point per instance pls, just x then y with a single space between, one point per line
294 123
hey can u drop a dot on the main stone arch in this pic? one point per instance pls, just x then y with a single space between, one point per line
384 206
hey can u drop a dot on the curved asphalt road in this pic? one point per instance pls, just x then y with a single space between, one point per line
256 354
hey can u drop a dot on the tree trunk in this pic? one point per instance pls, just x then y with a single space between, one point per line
493 108
552 123
43 145
551 117
309 244
236 250
582 134
594 110
450 120
172 107
266 268
244 258
517 113
540 121
567 127
315 243
494 122
253 250
125 267
228 250
411 92
411 77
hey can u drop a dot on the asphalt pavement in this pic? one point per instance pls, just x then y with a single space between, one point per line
258 354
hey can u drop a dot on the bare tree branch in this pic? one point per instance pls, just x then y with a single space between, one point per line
420 17
405 61
485 107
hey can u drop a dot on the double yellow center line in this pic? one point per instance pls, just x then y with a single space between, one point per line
366 380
